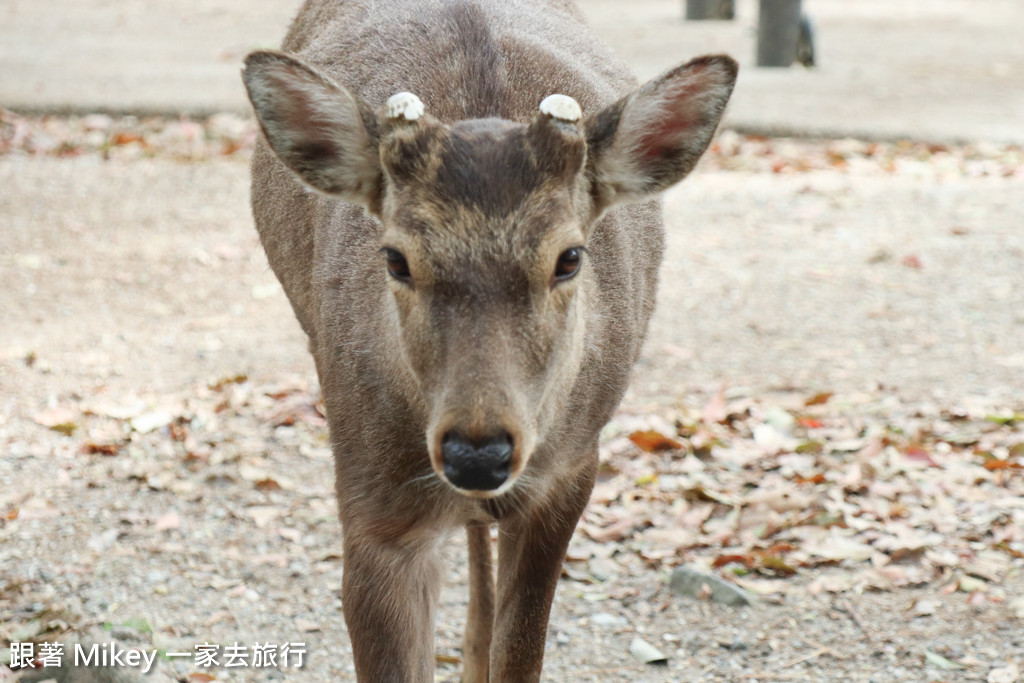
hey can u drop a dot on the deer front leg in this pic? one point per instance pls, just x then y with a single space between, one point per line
531 548
389 596
476 644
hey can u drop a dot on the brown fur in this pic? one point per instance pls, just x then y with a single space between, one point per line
481 195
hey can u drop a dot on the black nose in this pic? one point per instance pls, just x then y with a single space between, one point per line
476 464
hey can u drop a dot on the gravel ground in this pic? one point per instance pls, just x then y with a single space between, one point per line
137 295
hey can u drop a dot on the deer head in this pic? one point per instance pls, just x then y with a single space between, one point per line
484 228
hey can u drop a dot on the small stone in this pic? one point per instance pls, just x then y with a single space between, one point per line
148 422
608 620
970 584
924 608
1004 674
691 583
647 653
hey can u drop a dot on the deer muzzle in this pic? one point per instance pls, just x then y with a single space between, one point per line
476 464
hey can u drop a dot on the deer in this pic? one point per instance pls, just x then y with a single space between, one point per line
460 199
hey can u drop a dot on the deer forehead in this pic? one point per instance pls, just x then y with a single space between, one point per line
491 167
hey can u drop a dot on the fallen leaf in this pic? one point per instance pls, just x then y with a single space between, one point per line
919 454
614 532
652 441
994 464
647 653
126 138
940 661
58 419
230 379
91 448
969 584
837 547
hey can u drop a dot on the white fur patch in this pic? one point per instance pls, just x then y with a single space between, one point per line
404 105
561 107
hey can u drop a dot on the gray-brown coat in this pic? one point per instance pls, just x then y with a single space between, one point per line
476 300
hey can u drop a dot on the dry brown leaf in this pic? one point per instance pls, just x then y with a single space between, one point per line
651 441
92 448
819 399
994 464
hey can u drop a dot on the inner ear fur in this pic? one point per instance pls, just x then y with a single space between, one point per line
317 128
651 139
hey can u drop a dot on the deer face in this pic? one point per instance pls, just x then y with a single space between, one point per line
484 243
485 225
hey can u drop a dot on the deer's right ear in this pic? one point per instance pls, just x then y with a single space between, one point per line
651 139
315 126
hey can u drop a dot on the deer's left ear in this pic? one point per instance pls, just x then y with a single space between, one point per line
650 140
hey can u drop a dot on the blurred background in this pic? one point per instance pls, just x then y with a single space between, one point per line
926 69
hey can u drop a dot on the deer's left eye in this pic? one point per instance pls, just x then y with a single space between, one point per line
398 267
568 265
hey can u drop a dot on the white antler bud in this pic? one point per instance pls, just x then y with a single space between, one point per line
561 107
404 105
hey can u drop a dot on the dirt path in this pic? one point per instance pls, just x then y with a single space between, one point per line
136 296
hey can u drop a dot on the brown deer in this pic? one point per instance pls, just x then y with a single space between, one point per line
475 266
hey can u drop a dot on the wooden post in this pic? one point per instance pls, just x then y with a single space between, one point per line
778 29
709 9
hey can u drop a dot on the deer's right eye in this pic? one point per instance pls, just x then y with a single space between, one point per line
568 264
398 267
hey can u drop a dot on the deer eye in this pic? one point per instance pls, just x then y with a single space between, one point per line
568 265
398 267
